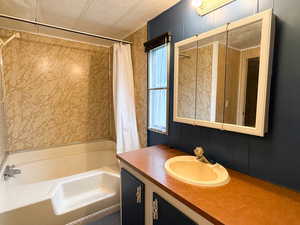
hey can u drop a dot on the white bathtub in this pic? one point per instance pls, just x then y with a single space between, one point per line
64 185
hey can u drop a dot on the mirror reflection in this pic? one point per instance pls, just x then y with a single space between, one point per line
201 78
210 78
218 77
187 60
242 73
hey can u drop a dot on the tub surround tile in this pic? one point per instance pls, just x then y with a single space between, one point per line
57 91
3 142
244 200
111 118
60 92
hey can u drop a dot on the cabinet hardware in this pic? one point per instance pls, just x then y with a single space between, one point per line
155 209
138 194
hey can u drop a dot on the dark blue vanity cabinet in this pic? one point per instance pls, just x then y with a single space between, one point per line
164 213
133 205
133 199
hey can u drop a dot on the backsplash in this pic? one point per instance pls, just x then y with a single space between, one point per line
58 92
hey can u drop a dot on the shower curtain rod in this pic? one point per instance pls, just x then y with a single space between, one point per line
63 28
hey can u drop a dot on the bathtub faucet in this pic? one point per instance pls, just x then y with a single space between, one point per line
10 172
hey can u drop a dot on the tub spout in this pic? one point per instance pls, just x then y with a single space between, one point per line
10 171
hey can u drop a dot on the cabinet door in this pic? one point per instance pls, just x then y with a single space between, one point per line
164 213
133 199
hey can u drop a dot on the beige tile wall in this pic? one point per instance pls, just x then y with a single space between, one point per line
3 131
112 119
58 92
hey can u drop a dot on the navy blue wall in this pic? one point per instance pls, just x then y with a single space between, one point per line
275 157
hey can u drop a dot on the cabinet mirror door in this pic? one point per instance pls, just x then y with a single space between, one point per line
200 72
248 68
242 73
186 89
210 79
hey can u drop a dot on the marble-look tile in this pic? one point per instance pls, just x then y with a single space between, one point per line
111 118
57 92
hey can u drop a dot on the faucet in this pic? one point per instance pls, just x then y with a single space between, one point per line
199 152
10 172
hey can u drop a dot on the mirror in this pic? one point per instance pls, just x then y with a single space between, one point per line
221 77
198 76
210 78
187 59
242 72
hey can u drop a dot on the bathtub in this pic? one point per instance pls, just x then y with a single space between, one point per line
71 185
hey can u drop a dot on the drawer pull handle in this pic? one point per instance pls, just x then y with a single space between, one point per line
138 194
155 209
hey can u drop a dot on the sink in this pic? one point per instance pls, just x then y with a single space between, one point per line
189 170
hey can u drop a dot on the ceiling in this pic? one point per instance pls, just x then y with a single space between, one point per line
113 18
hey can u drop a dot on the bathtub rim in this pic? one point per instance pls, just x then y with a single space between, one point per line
49 189
78 177
23 157
103 145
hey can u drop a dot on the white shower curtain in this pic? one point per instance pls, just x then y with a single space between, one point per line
124 105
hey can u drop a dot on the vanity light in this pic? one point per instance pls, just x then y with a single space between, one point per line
206 6
197 3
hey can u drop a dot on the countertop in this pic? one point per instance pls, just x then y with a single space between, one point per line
244 200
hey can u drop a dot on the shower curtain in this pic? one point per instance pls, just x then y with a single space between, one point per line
124 105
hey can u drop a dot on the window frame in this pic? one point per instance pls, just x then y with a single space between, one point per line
167 88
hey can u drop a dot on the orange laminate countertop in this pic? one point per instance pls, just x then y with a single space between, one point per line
244 200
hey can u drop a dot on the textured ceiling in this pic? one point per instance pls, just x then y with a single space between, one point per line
114 18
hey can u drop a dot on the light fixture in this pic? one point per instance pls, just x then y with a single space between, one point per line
196 3
206 6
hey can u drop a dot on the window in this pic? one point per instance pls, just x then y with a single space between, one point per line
158 64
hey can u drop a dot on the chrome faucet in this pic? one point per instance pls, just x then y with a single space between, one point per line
199 152
10 172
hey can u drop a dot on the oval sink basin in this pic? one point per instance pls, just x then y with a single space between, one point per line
191 171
